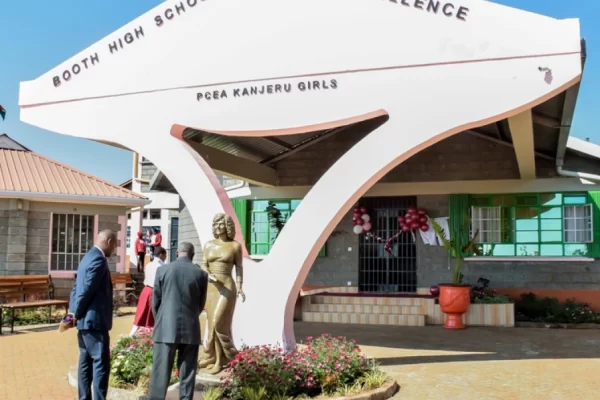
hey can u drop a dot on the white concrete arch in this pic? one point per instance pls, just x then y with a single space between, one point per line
434 75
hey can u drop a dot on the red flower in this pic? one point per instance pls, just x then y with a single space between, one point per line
176 372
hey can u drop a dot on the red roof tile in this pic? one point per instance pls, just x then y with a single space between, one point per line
22 170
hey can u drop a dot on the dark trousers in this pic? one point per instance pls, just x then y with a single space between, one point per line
141 257
162 365
94 364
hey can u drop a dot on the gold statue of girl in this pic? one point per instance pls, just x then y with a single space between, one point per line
220 256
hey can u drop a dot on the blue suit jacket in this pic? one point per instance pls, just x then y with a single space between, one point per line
91 296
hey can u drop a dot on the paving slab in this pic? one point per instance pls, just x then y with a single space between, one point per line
427 362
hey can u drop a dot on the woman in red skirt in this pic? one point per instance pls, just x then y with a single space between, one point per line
143 314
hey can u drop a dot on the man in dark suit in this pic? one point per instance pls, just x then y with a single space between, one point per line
91 304
179 297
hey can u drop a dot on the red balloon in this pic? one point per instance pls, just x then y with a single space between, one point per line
356 210
357 215
360 221
412 210
363 210
400 220
354 222
408 219
420 211
405 228
423 220
415 225
424 228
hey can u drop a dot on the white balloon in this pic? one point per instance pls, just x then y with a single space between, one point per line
358 229
366 218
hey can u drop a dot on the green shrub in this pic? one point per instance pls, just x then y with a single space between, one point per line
131 362
326 365
549 309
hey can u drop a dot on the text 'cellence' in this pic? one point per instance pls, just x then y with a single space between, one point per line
179 10
444 8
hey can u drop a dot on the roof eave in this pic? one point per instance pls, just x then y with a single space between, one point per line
571 95
75 199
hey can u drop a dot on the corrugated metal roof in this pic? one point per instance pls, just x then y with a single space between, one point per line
257 149
26 171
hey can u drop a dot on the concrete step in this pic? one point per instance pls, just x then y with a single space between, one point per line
366 309
373 301
364 318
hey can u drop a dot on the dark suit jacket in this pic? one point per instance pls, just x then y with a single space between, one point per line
92 294
178 299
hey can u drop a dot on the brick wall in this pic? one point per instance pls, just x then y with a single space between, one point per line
340 266
460 157
38 234
62 287
432 261
433 265
148 171
3 240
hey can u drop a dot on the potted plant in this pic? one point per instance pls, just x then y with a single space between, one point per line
455 297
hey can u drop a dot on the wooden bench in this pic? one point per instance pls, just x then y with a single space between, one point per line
127 285
15 290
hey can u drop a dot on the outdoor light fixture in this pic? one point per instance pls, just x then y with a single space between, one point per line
547 75
19 204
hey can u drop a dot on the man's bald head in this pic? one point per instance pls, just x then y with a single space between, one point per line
107 241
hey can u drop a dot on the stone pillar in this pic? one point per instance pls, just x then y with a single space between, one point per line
3 240
38 245
16 247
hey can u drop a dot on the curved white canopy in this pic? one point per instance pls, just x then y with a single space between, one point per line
435 67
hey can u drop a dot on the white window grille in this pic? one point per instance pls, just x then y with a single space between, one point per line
578 224
72 237
488 221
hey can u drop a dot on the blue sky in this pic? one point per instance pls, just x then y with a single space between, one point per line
37 35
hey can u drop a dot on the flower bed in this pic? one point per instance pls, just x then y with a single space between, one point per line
323 366
550 310
131 362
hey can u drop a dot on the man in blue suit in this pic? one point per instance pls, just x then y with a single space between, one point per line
91 304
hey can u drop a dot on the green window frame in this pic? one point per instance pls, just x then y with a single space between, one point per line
258 233
533 224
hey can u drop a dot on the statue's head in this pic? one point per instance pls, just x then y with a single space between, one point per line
223 223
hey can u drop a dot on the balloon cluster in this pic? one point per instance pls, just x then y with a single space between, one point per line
361 221
414 219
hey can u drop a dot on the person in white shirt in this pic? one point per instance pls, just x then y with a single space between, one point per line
143 314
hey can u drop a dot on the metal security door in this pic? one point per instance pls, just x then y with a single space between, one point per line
378 270
174 238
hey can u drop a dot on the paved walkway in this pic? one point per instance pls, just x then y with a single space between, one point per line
428 363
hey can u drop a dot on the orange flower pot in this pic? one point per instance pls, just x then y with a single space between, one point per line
454 302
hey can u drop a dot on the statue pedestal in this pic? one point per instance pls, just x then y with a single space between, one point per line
204 379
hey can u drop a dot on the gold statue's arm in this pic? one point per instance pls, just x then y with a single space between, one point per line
204 263
239 268
205 266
